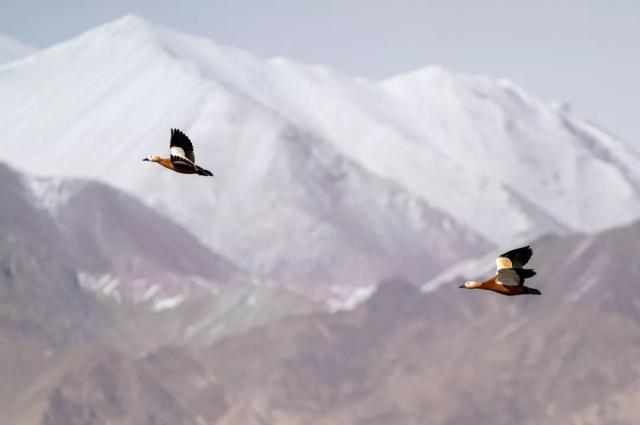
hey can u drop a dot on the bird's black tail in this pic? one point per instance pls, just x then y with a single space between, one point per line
531 291
203 172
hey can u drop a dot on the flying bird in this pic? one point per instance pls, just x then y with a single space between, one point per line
181 158
510 276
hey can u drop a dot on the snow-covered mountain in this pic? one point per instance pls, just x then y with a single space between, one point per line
11 49
319 177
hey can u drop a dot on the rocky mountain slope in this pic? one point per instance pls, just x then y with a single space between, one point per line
448 356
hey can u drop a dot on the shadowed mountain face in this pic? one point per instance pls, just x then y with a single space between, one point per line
106 231
99 230
448 356
43 310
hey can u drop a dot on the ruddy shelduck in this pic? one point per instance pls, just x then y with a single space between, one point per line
510 276
182 159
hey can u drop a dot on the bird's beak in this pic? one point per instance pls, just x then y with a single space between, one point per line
462 286
145 159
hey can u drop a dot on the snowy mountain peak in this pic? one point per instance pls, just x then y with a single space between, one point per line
129 21
130 29
425 74
130 25
316 173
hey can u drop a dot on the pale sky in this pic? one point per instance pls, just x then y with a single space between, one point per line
585 52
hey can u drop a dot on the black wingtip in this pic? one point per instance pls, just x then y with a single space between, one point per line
532 291
178 138
525 249
203 172
520 256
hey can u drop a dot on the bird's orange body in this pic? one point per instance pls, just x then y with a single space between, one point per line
178 168
494 286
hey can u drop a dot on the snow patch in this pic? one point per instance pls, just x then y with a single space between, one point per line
168 303
150 292
349 298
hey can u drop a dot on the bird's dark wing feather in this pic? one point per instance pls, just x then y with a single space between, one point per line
180 140
519 256
182 162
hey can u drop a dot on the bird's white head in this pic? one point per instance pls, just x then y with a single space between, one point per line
471 284
152 158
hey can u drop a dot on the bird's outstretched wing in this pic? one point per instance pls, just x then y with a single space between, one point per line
514 259
181 146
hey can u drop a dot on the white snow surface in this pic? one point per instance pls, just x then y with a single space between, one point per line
168 303
344 299
314 169
164 294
